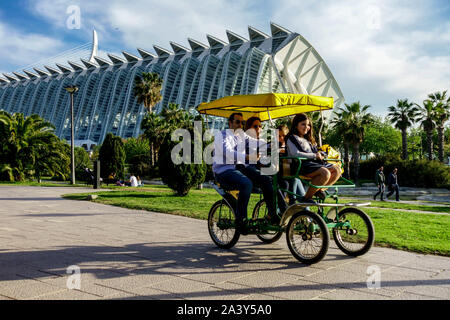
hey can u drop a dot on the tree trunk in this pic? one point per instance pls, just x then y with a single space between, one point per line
152 152
356 162
440 132
430 144
346 161
404 145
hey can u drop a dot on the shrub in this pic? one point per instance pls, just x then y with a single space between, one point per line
411 173
180 177
112 157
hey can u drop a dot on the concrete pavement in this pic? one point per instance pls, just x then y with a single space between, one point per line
133 254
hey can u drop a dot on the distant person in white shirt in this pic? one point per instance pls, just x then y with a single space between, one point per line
133 181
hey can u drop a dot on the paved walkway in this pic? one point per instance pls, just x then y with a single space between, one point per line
132 254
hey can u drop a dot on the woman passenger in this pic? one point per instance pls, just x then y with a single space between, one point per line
301 143
295 185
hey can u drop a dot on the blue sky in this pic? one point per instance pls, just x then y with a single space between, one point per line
378 51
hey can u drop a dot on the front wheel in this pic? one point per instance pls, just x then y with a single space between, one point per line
222 225
307 237
358 236
260 212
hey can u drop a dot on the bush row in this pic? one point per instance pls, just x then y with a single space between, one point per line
411 173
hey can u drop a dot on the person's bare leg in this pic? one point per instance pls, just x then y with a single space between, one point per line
335 175
319 177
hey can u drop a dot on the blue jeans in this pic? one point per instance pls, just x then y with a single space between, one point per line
394 188
297 187
243 180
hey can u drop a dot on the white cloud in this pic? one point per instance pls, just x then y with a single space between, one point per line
379 51
18 48
383 50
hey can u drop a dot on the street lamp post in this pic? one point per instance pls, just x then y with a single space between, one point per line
72 90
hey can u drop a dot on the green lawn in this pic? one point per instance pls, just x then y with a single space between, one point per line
424 233
399 205
46 183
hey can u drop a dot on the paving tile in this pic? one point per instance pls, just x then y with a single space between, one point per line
300 289
412 296
67 295
26 288
339 294
131 282
187 289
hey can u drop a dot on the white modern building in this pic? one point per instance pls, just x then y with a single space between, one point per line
281 62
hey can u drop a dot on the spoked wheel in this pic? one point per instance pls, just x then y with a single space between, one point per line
222 225
357 238
260 212
307 237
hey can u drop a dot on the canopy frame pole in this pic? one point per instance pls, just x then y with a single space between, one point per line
321 127
270 118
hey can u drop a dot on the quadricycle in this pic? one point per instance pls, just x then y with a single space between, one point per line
308 226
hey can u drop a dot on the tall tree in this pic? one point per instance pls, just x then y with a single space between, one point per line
427 122
441 115
355 118
341 126
147 90
403 115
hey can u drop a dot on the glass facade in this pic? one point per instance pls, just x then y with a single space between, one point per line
106 103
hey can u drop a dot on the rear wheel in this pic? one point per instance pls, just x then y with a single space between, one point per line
307 237
260 212
357 238
222 225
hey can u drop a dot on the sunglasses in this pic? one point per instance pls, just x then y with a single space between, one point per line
238 121
256 126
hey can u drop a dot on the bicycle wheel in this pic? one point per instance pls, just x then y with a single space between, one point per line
260 212
222 225
307 237
358 238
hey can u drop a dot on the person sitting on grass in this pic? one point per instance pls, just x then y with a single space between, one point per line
301 143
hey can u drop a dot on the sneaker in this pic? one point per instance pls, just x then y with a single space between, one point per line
321 194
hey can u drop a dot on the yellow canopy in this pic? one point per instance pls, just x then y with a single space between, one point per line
265 106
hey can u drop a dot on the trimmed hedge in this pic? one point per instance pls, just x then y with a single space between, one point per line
411 173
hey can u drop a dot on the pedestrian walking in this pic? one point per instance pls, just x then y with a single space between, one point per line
379 181
392 183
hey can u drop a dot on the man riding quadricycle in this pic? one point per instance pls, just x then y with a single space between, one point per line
245 163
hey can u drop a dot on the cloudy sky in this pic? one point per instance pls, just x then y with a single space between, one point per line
379 51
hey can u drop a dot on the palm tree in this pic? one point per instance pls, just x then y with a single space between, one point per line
27 146
402 116
147 89
355 118
428 124
441 115
341 126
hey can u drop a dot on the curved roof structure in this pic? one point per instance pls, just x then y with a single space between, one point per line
283 62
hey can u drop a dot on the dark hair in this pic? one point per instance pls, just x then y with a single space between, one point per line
300 118
231 117
249 122
283 128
